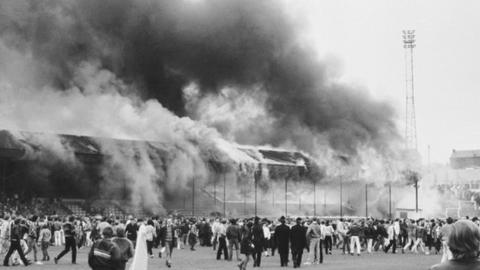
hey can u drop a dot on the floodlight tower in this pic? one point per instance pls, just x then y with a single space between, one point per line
410 120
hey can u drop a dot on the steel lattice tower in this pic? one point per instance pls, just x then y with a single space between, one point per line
410 120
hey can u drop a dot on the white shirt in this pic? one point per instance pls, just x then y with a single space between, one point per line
397 227
266 232
329 230
323 229
149 232
222 229
391 232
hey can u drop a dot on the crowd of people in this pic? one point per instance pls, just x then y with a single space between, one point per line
113 241
32 206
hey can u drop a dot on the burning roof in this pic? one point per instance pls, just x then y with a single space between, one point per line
17 144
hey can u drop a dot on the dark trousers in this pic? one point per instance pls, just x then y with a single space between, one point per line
69 244
320 247
257 258
15 246
149 247
222 247
297 257
283 256
393 245
214 244
346 244
403 240
438 245
429 242
273 245
380 241
328 244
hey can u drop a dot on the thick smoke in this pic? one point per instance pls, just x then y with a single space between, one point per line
143 69
162 46
179 148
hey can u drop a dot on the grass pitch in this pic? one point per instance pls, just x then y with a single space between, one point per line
205 258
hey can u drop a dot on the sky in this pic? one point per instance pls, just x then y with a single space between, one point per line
363 40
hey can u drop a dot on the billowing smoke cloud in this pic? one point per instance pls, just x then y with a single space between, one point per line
163 46
159 154
152 70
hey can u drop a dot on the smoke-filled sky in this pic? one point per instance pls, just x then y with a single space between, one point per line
365 36
303 68
188 55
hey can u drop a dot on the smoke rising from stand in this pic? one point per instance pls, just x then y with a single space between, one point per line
142 70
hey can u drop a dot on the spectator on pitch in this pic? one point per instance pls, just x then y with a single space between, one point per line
234 236
4 233
57 232
298 241
16 235
354 234
246 245
464 243
282 235
44 238
125 246
267 235
32 226
392 240
403 236
437 242
314 234
328 238
150 234
273 242
184 229
429 233
444 234
381 233
168 239
344 239
420 235
221 235
215 228
192 235
369 235
258 241
102 225
70 244
105 254
131 230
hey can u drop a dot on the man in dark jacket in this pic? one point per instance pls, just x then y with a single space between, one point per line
298 241
16 233
355 231
69 232
125 247
105 254
168 239
370 235
381 233
258 241
131 230
282 235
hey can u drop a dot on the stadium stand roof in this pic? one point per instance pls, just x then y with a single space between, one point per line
14 144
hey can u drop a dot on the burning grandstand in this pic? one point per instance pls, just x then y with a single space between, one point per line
90 171
161 98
